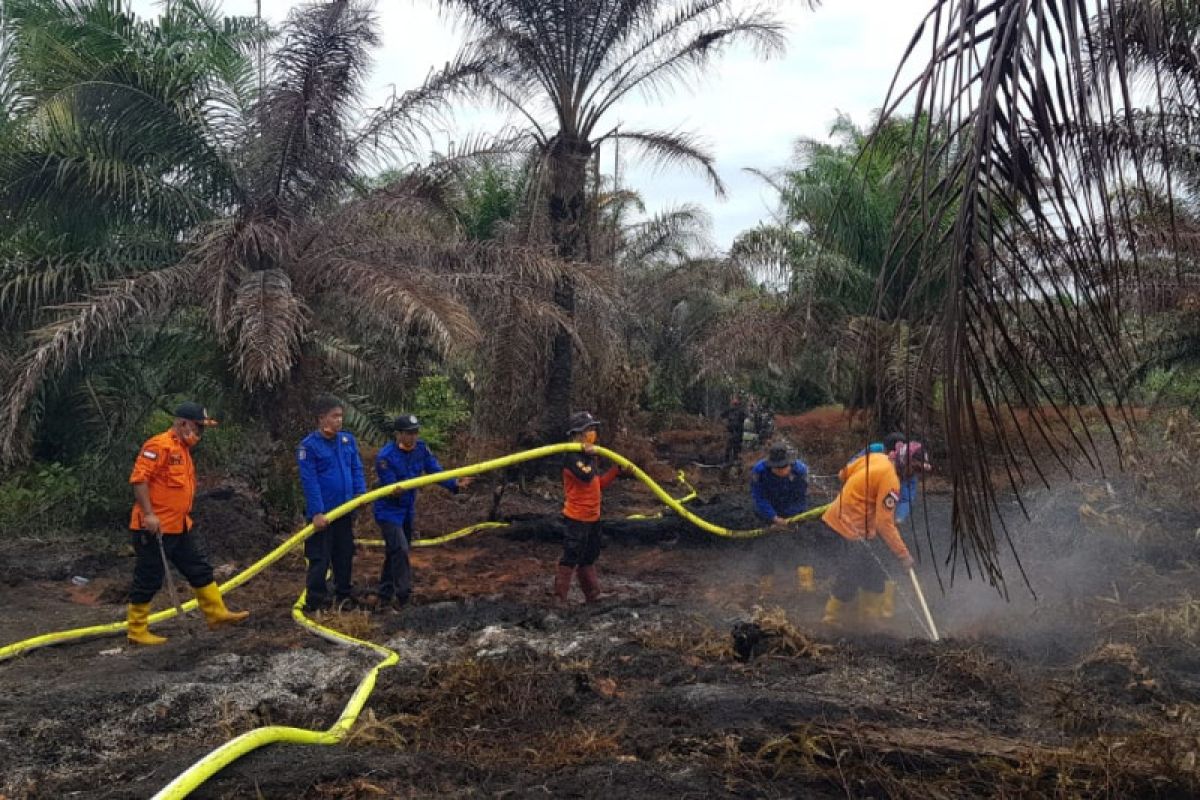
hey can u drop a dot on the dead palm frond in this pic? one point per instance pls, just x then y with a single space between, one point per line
1034 227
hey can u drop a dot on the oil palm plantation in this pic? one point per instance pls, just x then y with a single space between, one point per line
208 194
566 66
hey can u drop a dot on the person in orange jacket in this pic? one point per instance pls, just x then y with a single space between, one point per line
582 484
864 510
164 486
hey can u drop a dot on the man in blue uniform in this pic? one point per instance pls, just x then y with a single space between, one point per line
401 459
330 474
779 486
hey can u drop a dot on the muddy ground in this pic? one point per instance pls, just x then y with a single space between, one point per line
1089 689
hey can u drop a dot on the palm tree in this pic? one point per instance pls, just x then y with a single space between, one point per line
254 203
830 301
1035 224
564 66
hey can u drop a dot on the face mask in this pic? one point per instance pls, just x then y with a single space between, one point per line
589 437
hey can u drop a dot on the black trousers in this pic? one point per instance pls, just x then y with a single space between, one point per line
733 447
332 547
182 550
856 565
396 578
581 543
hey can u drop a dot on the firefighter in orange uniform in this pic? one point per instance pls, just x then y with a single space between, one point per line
164 485
865 509
582 484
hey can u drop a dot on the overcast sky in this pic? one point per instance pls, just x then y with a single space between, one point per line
840 58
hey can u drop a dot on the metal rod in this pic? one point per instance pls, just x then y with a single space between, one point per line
912 573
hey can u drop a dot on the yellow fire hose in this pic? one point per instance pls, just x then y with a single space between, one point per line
229 752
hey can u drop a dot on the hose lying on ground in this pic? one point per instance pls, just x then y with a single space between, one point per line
60 637
234 749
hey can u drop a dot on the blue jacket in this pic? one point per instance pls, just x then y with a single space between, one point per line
331 471
779 497
393 465
908 496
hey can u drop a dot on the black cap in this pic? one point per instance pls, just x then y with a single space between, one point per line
581 421
194 412
779 456
406 422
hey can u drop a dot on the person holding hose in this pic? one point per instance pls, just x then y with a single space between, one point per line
865 509
164 486
405 457
331 473
779 486
582 485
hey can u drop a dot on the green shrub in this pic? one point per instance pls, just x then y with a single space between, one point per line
440 408
42 499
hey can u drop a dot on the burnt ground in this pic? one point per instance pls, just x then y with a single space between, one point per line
1089 689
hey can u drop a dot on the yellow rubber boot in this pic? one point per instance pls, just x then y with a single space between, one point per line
833 611
888 609
215 612
139 626
870 606
806 579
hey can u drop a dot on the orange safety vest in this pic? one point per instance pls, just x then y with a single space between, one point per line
165 466
582 485
866 506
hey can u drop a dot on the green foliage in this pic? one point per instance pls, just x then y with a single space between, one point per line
441 409
53 499
489 196
38 499
1178 386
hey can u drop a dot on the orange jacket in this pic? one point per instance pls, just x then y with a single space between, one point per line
165 466
866 506
582 485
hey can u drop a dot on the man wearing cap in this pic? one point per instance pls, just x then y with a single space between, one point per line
779 486
164 486
405 457
331 474
582 484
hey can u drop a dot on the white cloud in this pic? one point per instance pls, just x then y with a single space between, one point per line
841 57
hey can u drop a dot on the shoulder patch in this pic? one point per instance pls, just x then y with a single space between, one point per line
891 500
150 454
345 439
302 453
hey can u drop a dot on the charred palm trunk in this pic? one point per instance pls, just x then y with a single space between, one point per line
567 167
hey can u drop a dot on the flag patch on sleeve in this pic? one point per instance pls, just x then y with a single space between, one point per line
150 454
